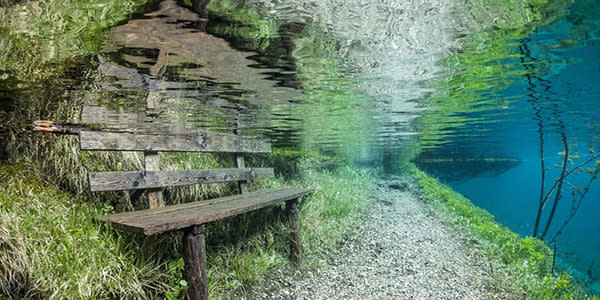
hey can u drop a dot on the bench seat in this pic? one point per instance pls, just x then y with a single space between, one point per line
174 217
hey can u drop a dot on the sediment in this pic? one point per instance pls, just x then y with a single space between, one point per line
402 250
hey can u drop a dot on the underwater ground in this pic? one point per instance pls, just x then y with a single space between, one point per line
355 97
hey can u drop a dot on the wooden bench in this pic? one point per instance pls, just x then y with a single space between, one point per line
188 217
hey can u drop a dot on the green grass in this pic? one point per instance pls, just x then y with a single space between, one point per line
40 37
52 248
57 250
526 261
326 217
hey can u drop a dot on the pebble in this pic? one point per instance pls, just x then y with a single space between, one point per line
401 251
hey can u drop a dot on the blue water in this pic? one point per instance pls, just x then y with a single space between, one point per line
553 96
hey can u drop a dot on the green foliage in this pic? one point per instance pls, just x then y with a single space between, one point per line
178 284
39 37
527 260
480 66
333 209
243 24
53 249
231 268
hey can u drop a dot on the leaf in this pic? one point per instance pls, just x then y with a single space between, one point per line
183 283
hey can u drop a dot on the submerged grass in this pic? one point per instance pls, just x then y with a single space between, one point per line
325 216
39 37
526 261
51 247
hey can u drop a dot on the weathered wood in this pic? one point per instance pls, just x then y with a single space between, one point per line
292 212
196 142
239 162
104 115
114 181
194 257
121 121
180 216
151 163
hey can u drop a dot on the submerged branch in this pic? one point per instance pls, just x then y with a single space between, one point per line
558 195
576 207
571 171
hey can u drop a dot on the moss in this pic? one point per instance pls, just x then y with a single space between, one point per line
526 260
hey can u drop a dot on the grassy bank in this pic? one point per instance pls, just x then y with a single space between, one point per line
50 247
521 263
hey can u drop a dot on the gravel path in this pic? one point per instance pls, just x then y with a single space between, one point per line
402 252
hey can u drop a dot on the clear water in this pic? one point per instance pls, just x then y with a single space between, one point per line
552 96
375 81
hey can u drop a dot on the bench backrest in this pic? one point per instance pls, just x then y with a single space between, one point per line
152 178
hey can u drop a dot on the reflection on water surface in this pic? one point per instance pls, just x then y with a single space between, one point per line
474 94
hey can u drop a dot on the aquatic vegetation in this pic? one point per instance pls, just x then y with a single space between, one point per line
526 260
40 38
53 249
241 250
254 30
480 64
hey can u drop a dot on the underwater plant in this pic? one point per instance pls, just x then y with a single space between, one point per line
553 195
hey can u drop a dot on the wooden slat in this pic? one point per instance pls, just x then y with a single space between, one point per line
197 142
180 216
114 181
120 121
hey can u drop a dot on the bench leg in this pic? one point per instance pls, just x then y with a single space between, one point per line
194 257
292 211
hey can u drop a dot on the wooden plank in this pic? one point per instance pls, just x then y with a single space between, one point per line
151 164
194 257
115 181
176 217
196 142
122 217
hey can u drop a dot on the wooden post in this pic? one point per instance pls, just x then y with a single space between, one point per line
292 212
194 257
239 157
151 162
239 162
